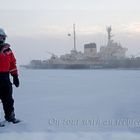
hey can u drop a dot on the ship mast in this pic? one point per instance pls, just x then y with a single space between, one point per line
109 29
74 37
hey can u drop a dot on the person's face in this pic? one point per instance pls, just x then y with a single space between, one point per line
2 39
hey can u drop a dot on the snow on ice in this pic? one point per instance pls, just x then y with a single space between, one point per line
76 105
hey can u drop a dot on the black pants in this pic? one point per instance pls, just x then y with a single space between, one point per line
6 95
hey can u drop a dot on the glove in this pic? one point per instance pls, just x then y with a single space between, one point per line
16 80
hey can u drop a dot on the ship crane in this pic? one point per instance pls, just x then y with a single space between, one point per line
52 54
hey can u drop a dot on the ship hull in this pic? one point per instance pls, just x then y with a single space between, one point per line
63 66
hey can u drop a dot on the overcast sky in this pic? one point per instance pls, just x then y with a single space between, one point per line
37 26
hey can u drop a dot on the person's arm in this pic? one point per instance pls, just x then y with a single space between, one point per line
13 70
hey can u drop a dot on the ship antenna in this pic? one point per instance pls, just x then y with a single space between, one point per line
109 29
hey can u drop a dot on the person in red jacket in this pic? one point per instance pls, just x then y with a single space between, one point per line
7 67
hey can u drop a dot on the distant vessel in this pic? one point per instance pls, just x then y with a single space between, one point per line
111 55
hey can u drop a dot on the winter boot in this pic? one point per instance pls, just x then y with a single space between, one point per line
12 118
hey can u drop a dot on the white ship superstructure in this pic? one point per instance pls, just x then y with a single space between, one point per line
113 50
